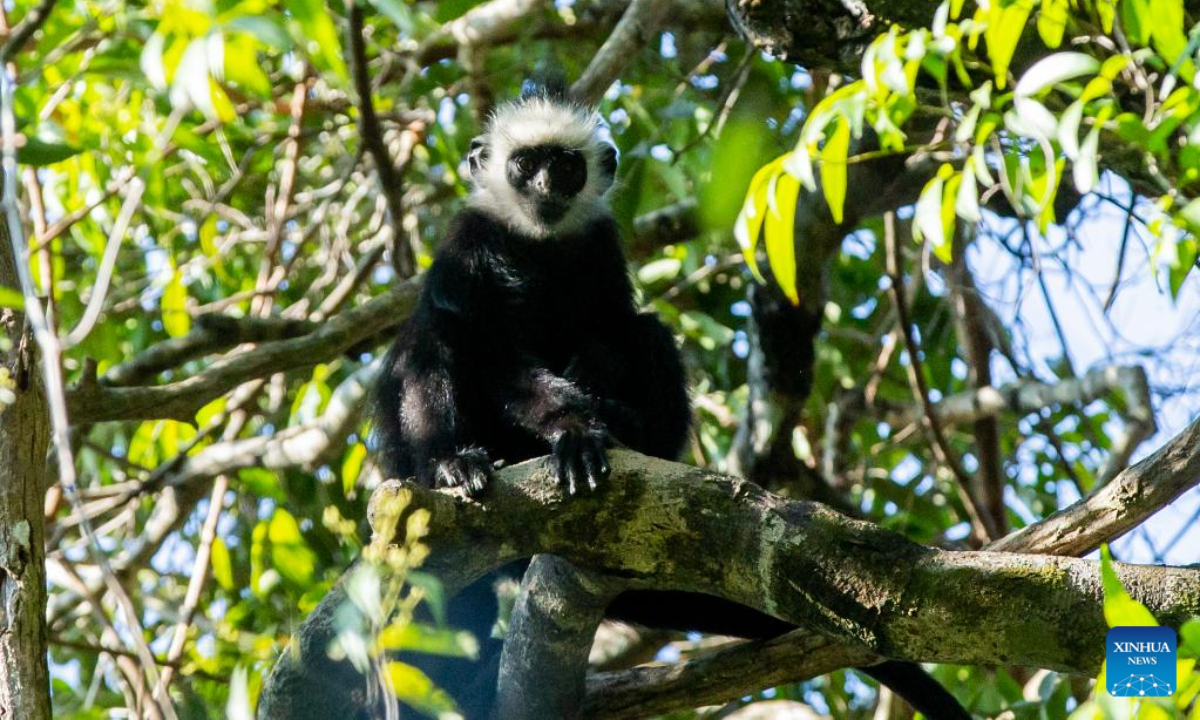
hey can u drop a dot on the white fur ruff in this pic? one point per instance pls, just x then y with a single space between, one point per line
529 123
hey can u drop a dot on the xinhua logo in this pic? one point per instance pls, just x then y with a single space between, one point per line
1140 661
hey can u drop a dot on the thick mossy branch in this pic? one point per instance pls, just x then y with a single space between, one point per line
663 525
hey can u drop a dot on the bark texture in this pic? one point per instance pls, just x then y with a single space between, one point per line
24 434
668 526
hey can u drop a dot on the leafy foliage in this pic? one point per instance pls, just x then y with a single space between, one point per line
238 121
1016 143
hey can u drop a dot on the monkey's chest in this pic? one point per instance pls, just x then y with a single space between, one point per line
553 327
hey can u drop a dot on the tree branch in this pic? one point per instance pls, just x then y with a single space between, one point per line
209 334
635 29
663 525
734 670
545 656
91 402
1134 495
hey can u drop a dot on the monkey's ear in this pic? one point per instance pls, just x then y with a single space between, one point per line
477 155
608 162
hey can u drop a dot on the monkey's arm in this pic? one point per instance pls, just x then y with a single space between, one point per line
424 423
561 413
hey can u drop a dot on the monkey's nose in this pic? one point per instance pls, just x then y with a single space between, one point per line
541 182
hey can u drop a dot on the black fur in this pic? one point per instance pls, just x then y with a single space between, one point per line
521 347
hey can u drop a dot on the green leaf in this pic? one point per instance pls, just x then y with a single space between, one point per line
833 169
1107 10
1185 262
966 200
1085 170
1120 610
1167 23
399 13
780 235
321 35
39 153
1005 22
1189 638
175 318
415 689
754 211
241 65
352 467
1052 22
1136 20
435 594
289 554
10 298
262 483
1053 70
934 218
415 637
222 565
267 27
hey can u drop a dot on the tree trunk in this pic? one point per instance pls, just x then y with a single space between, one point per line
24 434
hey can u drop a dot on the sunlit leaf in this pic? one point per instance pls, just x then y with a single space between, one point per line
750 220
1005 22
289 553
352 467
660 270
414 688
175 318
414 637
10 298
1167 30
1068 129
1120 610
779 233
1053 70
222 565
1052 21
933 221
1085 170
966 200
834 169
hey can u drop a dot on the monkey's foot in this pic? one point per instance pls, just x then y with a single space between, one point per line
579 458
469 469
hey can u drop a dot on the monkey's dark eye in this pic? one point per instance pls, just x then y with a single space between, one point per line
523 164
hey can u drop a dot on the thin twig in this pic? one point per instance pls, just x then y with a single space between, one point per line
25 29
104 274
390 182
195 586
941 447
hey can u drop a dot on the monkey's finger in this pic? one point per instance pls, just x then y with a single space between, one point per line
477 479
595 465
446 474
561 457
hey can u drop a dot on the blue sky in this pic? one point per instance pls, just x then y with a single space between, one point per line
1144 325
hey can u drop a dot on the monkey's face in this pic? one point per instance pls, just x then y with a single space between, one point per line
541 167
547 178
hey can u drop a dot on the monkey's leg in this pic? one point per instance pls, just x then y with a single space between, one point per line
423 425
640 385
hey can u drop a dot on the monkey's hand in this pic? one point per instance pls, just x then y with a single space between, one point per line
578 455
469 469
